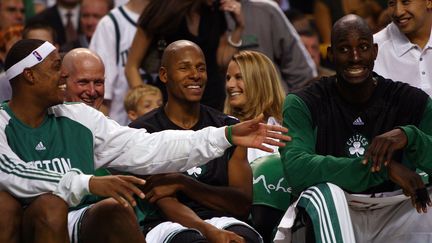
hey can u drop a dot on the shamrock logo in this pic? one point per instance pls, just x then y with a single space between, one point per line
195 171
356 149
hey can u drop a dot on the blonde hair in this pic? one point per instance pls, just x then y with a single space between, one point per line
263 87
134 95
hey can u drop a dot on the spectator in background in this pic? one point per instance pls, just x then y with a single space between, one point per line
40 31
253 87
274 36
12 35
90 13
111 41
405 45
84 73
310 39
326 12
63 17
142 99
11 15
202 22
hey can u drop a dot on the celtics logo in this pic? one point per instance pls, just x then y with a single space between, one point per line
356 146
196 171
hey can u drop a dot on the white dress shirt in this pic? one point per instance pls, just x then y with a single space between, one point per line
401 60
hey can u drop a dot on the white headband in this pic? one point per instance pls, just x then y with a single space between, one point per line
35 57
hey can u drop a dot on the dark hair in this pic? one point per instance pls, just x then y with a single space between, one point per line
20 50
36 26
309 33
162 17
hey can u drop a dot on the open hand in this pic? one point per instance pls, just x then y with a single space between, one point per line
120 187
254 134
411 184
382 148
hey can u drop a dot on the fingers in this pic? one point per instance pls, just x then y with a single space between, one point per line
422 200
121 188
132 181
276 129
273 142
264 148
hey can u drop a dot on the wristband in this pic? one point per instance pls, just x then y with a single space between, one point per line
236 45
229 135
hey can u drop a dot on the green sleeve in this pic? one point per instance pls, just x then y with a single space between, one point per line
304 168
420 141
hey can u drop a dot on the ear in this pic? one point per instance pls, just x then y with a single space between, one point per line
132 115
375 49
163 74
429 4
29 75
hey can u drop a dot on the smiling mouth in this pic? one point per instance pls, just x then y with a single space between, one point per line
62 87
233 94
194 86
355 71
401 21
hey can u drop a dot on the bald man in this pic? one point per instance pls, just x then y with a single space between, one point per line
357 132
84 73
49 151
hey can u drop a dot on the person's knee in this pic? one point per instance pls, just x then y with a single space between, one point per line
49 211
11 214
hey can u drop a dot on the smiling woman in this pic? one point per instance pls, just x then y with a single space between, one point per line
252 74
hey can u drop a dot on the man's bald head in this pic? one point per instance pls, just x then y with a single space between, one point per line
184 72
176 48
84 72
350 24
80 56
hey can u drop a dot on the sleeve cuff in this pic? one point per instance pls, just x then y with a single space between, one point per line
73 187
220 138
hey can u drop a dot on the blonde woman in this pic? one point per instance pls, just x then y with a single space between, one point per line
253 87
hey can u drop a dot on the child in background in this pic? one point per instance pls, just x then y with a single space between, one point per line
141 100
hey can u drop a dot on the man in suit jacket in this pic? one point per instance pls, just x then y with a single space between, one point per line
57 17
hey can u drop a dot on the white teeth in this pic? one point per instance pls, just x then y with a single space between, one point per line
234 94
62 87
193 87
355 71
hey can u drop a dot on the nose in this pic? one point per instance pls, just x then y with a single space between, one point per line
92 90
355 55
398 9
194 73
230 83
